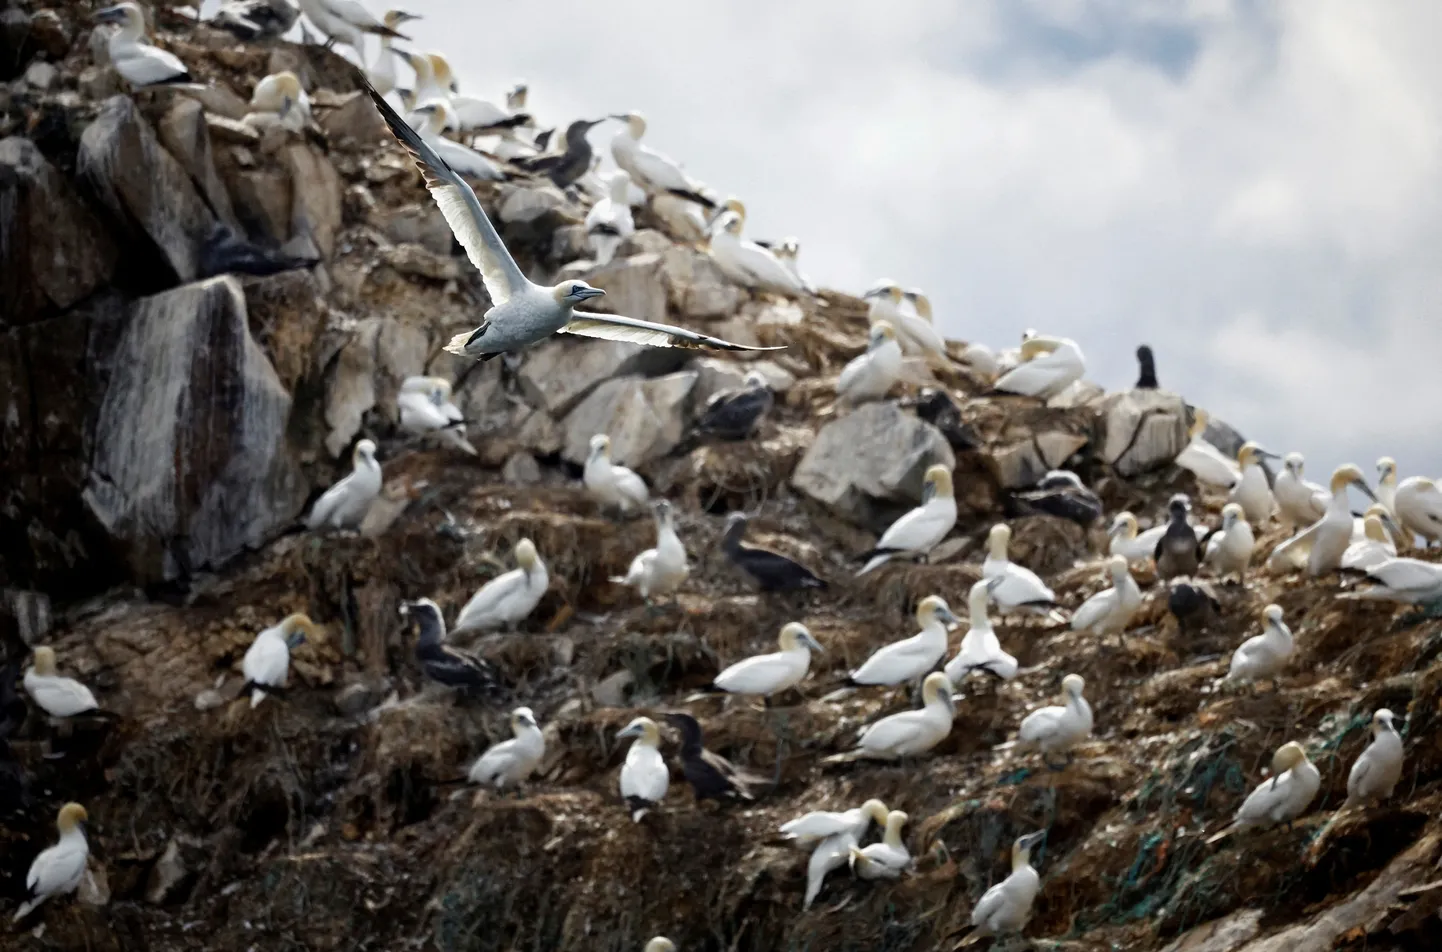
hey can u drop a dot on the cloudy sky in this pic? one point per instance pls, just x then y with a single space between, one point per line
1254 188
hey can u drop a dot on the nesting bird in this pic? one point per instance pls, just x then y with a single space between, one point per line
654 172
134 58
56 695
610 484
1061 493
1204 460
433 117
426 408
772 571
1387 483
1057 729
1263 656
1377 769
1253 491
344 505
510 762
659 571
1375 547
710 775
770 674
440 662
980 648
1229 549
1320 547
1110 611
1006 907
1049 365
734 414
746 262
909 733
887 859
609 222
510 597
266 664
811 828
58 869
345 21
1295 781
1018 588
644 777
871 374
1402 580
920 530
916 333
1300 502
279 99
911 658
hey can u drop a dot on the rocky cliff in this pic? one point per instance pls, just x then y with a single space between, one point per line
163 422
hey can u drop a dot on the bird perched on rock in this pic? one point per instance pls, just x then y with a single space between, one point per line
225 252
344 505
609 222
1205 461
1018 588
251 20
811 828
1410 581
658 571
921 529
434 116
772 673
887 859
266 664
652 171
1263 656
507 599
1375 773
734 414
1300 502
511 762
908 733
1061 493
133 56
1321 546
442 663
346 21
1058 728
279 99
474 115
426 409
910 659
1178 551
710 775
1126 541
610 484
772 571
1006 907
1147 377
1110 611
746 262
1294 784
566 166
916 332
1229 549
56 695
58 869
644 777
1417 504
937 408
980 648
1050 365
1253 490
871 374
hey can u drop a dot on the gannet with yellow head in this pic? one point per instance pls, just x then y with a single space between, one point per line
922 529
909 733
1205 461
911 658
916 332
1376 771
871 374
279 99
346 21
652 171
770 674
811 828
1229 551
1295 781
1006 907
1019 588
510 597
59 869
659 571
382 74
266 664
1320 546
610 484
1266 655
746 262
133 56
56 695
1111 610
511 762
644 777
1049 365
1252 491
344 505
980 648
887 859
1057 729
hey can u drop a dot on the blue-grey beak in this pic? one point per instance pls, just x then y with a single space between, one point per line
812 643
585 294
110 15
632 730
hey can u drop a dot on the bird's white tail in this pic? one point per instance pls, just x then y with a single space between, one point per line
457 345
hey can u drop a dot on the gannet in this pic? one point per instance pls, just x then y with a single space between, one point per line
58 869
472 114
1179 549
431 118
830 854
1321 546
1375 774
55 694
279 99
344 505
569 159
1387 483
981 359
1264 656
980 648
250 20
937 408
382 74
1146 369
266 664
660 944
1058 729
919 531
644 777
1126 541
908 733
1301 503
226 251
871 374
610 484
772 571
609 222
1006 907
916 334
1374 548
442 663
1109 611
1049 365
345 21
1061 493
773 673
1402 580
710 775
426 407
787 251
884 304
132 54
911 658
427 90
1010 358
649 169
811 828
1019 589
508 598
1229 550
522 313
735 414
1417 505
658 571
510 762
1204 460
1394 532
1252 490
746 262
887 859
1283 798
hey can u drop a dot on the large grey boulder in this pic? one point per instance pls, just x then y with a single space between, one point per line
645 419
351 385
633 287
186 136
315 189
558 373
1141 430
190 462
695 285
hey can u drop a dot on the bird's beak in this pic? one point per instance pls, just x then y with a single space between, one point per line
1031 841
404 17
1116 528
993 583
633 730
1366 490
621 116
813 644
1391 526
948 616
1267 454
110 15
585 294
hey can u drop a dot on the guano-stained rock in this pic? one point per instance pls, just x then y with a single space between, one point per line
1141 429
633 287
185 135
558 373
315 196
645 419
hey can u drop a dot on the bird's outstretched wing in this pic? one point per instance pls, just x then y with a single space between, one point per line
615 327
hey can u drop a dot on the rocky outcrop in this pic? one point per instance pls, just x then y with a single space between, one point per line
644 418
1140 430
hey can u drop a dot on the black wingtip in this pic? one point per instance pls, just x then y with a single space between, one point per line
691 196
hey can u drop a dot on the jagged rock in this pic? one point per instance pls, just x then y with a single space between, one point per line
262 202
715 375
633 287
568 243
786 313
287 316
645 419
144 185
191 464
539 432
558 373
25 614
315 196
1222 935
353 121
521 469
230 131
1141 429
876 454
56 253
220 100
401 351
1019 464
40 75
1057 446
423 225
696 286
1078 394
350 387
644 241
520 204
184 134
415 261
98 82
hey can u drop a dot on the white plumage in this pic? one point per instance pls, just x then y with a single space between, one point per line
772 673
649 169
1402 580
344 505
746 262
132 55
911 658
508 598
426 408
1266 655
1050 365
911 732
1252 491
659 571
811 828
1320 547
58 869
1110 611
1374 548
610 484
1204 460
436 115
872 374
1300 502
919 531
609 222
1378 768
831 853
510 762
1282 799
916 333
644 777
1018 588
1006 907
267 660
279 98
344 21
54 694
887 859
980 648
1229 551
1134 546
1057 729
1418 506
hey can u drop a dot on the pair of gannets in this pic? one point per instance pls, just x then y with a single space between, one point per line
770 674
652 171
510 762
1006 907
346 21
659 571
58 869
472 114
507 599
55 694
921 529
909 314
887 859
610 484
522 312
871 374
1229 550
426 407
1263 656
1375 545
1017 588
1320 547
911 658
1111 610
1141 547
344 505
1049 365
1205 461
1295 781
266 664
644 777
134 58
746 262
835 835
1058 728
909 733
1253 490
980 649
772 571
736 412
610 222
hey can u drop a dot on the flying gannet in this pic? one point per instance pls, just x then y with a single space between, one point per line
911 658
770 674
1049 365
1204 460
1417 504
510 762
644 777
921 529
609 222
1295 781
1138 547
810 829
887 859
772 571
1146 369
980 648
58 869
134 58
382 74
1375 774
1110 611
1058 729
916 333
346 21
1375 546
1402 580
735 414
442 663
659 571
610 484
1263 656
909 733
1179 549
871 374
710 775
507 599
1019 589
1061 493
522 313
652 171
1229 549
1300 502
426 408
344 505
1006 907
266 664
1320 547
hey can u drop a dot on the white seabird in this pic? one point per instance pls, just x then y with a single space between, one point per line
344 505
507 599
1058 729
1320 547
1006 907
60 868
426 90
134 58
746 262
887 859
382 74
1374 548
917 334
279 99
1252 490
345 21
831 853
1204 460
659 571
1108 612
980 648
1295 781
1019 589
1263 656
811 828
522 313
609 222
772 673
1049 365
921 529
649 169
871 374
56 695
1138 547
1300 502
884 299
1229 551
908 733
644 777
1402 580
510 762
1417 504
787 251
426 408
610 484
660 944
1387 483
266 664
431 118
1375 774
911 658
472 114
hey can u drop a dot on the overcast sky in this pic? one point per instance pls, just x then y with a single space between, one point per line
1253 188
